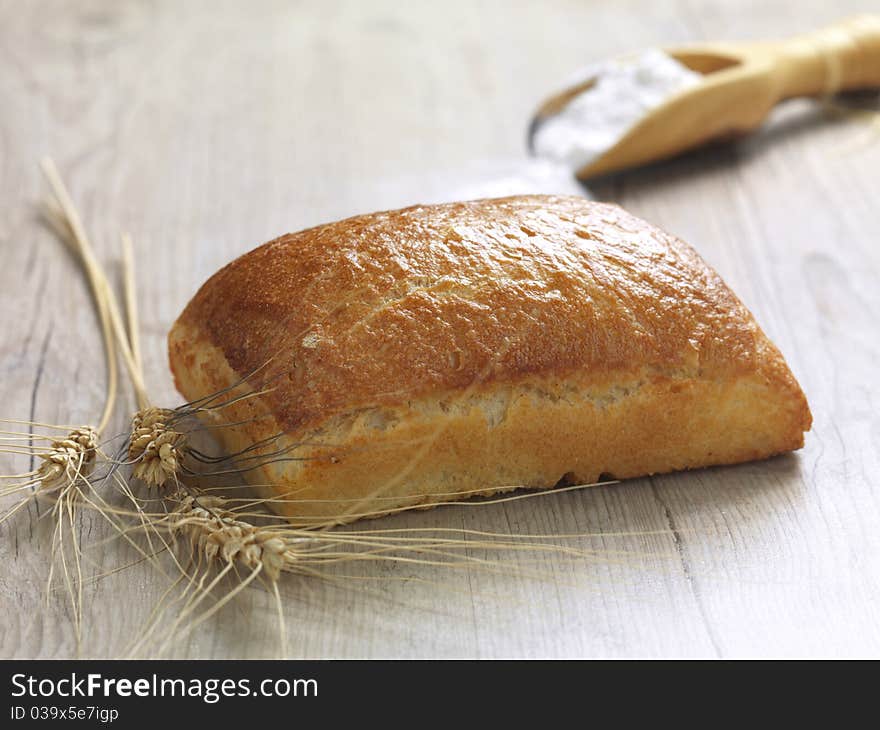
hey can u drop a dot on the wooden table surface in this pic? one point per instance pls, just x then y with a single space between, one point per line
206 128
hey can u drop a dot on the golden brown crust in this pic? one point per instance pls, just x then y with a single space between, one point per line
392 312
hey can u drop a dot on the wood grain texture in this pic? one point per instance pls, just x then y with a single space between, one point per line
207 128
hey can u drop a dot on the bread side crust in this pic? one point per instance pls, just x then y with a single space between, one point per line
495 437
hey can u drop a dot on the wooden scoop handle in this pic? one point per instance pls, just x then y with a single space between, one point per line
841 57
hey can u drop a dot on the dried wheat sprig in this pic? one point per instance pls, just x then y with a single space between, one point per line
220 535
66 463
69 461
215 539
155 449
68 466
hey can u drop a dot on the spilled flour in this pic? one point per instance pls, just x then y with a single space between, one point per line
624 90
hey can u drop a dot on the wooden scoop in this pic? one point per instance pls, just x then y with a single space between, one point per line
742 83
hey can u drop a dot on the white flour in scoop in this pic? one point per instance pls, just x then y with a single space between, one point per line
624 91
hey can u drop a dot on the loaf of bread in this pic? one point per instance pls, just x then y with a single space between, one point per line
417 356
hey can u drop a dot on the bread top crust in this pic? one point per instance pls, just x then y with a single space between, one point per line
382 308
